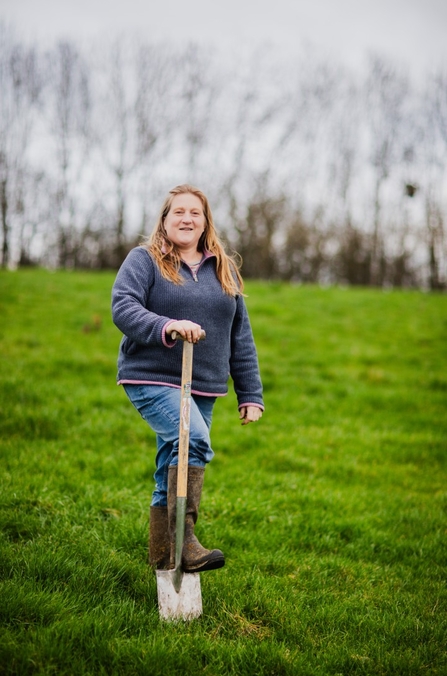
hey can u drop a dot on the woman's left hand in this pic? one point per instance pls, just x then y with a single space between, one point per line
249 414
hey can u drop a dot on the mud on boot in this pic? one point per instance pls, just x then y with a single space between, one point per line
159 541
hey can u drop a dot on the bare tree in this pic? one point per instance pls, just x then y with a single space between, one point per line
198 93
435 191
245 117
253 106
386 93
69 110
157 115
20 87
115 138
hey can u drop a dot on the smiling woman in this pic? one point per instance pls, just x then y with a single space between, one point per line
184 226
182 280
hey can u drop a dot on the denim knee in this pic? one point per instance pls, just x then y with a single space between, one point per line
159 406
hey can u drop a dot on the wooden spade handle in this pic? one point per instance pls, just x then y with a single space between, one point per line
185 415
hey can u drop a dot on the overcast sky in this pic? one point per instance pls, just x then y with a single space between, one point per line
413 32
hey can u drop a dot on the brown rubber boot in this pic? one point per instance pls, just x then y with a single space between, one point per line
195 558
159 543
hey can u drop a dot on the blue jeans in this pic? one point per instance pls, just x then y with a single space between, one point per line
159 406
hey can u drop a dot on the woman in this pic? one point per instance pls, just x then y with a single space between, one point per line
182 280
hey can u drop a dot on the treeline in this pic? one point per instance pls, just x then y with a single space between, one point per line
316 173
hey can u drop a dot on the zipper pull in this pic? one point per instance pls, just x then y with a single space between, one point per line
194 276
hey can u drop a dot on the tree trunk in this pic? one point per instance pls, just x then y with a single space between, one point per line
5 226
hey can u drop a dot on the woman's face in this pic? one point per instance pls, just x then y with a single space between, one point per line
185 221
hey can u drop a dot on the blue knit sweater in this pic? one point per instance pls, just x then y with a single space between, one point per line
144 303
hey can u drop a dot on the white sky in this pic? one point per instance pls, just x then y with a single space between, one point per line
413 32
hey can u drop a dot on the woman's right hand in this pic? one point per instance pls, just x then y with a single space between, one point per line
188 330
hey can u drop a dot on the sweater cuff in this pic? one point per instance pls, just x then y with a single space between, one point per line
251 404
166 338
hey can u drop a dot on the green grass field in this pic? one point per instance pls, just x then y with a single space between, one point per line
331 510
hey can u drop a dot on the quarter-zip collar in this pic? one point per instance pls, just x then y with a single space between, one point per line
206 254
194 270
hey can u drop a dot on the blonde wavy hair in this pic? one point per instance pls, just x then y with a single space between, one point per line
167 256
